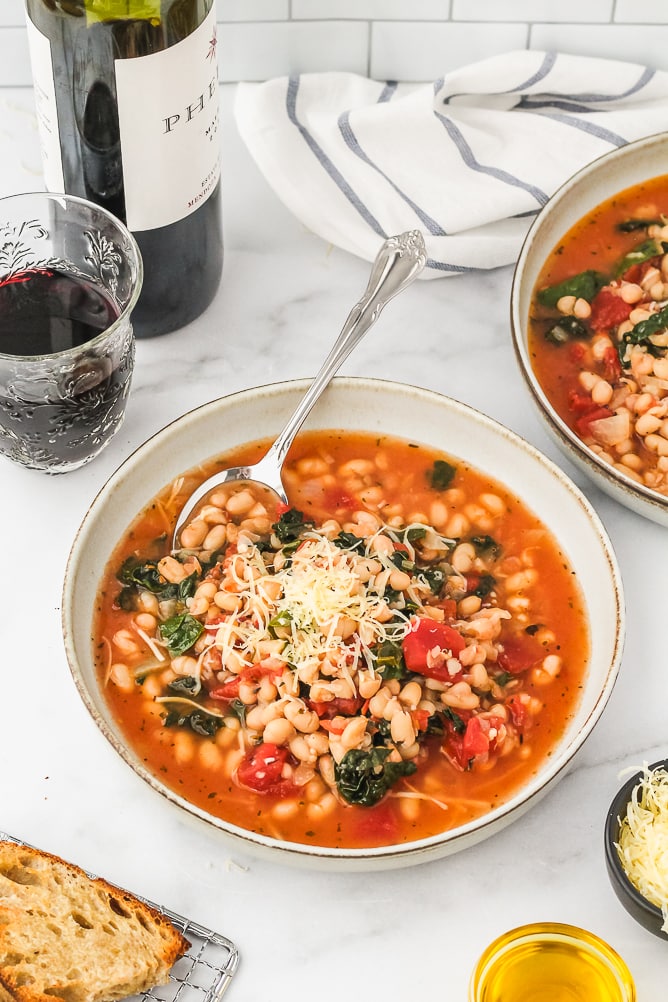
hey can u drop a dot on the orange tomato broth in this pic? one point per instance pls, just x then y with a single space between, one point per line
557 604
593 242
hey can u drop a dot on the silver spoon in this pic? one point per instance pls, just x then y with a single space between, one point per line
398 262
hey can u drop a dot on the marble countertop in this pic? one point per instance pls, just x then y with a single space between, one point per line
304 934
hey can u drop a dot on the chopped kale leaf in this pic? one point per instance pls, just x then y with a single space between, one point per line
390 660
565 330
142 575
503 678
180 632
453 718
185 684
486 546
414 533
349 541
364 777
402 561
484 585
641 334
643 252
435 578
585 285
441 475
291 525
199 721
632 225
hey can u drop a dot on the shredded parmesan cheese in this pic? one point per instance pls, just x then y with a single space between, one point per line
321 590
188 702
643 839
151 643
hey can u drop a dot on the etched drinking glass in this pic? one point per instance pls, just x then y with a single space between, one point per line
70 275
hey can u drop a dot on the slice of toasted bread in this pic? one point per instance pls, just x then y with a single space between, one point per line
65 935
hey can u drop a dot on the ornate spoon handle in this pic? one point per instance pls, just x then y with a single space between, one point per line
398 262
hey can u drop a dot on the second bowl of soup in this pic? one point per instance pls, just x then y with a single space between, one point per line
589 315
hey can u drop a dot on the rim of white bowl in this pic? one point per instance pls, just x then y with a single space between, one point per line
427 848
597 468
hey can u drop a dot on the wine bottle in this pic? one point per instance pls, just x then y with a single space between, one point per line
127 103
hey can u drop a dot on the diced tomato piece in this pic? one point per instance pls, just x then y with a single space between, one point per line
520 652
582 425
580 403
577 351
477 741
518 712
449 607
420 719
612 367
421 648
338 707
336 497
637 272
331 727
253 674
261 770
586 410
608 310
228 690
633 274
453 747
269 668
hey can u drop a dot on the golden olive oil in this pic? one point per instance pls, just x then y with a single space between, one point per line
551 963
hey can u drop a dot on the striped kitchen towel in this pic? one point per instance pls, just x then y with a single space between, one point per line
469 159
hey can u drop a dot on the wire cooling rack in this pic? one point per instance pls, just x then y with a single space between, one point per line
203 973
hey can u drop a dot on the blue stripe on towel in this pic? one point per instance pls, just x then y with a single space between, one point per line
353 145
591 127
470 161
457 269
540 74
646 75
340 181
334 173
388 91
580 99
582 103
569 102
535 102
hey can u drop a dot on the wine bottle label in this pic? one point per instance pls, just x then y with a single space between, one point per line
45 107
168 116
168 106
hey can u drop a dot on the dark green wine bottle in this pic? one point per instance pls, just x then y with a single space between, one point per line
127 102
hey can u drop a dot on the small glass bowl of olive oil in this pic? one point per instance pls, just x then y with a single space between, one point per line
550 962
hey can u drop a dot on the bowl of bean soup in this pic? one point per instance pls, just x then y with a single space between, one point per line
589 313
389 669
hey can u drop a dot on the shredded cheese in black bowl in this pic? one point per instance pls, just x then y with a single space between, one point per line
636 847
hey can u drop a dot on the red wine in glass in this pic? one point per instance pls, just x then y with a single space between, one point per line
61 420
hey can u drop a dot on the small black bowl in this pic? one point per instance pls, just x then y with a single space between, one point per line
642 910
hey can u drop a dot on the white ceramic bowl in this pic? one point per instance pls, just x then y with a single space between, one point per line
603 178
368 405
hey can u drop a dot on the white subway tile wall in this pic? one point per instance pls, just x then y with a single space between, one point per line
397 39
531 11
405 51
